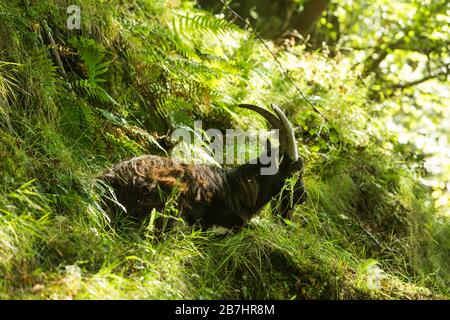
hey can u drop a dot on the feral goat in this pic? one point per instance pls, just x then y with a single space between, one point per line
208 195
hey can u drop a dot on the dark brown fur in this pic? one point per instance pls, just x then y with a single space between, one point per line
206 195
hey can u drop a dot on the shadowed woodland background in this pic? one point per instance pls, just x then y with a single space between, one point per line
73 102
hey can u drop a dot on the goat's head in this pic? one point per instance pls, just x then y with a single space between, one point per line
290 166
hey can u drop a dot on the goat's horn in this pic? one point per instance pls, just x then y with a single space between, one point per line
274 122
269 116
291 146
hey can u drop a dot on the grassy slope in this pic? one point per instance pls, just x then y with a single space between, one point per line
366 215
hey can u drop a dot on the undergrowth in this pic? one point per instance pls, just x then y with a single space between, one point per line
133 73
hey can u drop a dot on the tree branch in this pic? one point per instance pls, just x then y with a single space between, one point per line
56 55
435 74
371 64
420 44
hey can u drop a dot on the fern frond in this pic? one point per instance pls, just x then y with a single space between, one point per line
203 24
94 91
93 57
134 130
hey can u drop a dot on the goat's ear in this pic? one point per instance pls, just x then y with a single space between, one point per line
298 165
292 166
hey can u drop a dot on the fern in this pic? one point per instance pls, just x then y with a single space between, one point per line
124 144
94 91
203 24
130 129
94 58
82 124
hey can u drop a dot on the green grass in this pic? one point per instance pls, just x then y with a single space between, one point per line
366 215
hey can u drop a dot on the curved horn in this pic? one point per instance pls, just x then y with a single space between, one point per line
274 121
291 147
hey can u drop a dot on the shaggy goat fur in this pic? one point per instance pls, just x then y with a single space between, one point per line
204 194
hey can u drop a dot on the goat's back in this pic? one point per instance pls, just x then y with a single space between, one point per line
147 182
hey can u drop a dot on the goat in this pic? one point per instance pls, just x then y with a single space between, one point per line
208 195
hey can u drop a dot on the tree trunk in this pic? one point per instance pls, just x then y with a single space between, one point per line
306 20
